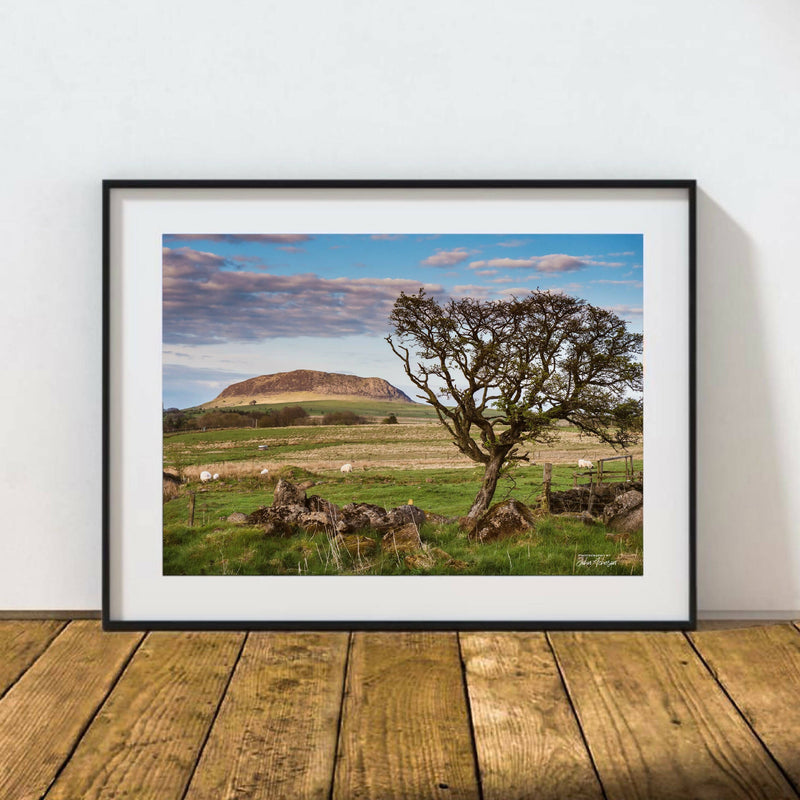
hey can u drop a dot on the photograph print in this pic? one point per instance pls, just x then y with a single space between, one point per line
403 404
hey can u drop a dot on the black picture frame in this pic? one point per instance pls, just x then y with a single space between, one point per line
115 622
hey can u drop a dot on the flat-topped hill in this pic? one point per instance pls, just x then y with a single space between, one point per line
303 385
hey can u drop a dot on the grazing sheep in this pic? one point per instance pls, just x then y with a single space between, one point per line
345 468
585 464
205 476
216 476
264 471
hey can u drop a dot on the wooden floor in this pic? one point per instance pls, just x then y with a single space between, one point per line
500 716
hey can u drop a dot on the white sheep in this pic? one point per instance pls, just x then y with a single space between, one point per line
205 476
585 464
216 476
264 471
345 468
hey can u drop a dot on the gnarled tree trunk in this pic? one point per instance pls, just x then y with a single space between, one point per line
490 478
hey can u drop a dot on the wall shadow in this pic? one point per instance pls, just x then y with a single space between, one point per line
746 560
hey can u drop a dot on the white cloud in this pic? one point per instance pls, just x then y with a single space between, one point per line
447 258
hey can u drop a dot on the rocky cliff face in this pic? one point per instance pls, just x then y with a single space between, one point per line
307 381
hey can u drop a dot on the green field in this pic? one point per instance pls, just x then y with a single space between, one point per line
392 465
375 409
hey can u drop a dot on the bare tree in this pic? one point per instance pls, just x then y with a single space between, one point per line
501 373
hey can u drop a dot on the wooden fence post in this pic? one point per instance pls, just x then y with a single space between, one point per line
191 510
547 479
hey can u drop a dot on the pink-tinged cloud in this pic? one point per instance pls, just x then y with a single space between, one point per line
204 301
502 280
555 262
486 272
513 243
559 263
447 258
290 248
238 238
387 237
184 262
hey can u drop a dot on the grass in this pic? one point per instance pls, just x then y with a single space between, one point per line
393 464
214 546
364 408
554 547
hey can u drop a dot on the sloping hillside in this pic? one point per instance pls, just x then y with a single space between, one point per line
303 385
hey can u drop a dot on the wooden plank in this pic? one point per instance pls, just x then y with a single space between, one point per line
760 670
145 740
405 727
657 723
528 741
275 736
47 709
21 643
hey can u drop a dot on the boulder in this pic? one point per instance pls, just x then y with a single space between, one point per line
420 561
357 546
316 503
502 520
580 498
288 494
402 540
289 514
403 515
315 521
238 518
358 516
626 513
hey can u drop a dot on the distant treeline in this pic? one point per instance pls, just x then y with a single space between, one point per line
177 420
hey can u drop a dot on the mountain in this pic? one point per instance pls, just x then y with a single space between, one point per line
303 385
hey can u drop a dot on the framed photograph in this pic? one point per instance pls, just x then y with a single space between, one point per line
399 404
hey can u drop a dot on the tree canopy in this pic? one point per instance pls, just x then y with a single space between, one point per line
502 372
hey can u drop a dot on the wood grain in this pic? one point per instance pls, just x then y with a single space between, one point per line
144 741
658 724
760 670
275 736
528 741
45 712
405 728
21 643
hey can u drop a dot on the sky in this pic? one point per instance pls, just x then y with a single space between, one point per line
241 305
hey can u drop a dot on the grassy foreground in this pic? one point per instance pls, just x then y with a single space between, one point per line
413 461
556 546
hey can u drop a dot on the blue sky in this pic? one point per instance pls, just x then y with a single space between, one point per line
238 305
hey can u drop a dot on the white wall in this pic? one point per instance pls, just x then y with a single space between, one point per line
430 88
